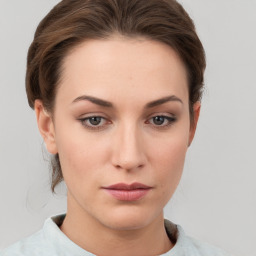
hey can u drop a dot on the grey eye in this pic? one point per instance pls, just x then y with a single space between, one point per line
96 120
158 120
95 123
161 121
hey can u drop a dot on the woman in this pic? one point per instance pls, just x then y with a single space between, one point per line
116 88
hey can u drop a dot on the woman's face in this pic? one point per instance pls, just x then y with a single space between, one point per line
121 128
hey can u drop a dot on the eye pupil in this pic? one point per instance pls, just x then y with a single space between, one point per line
158 120
95 120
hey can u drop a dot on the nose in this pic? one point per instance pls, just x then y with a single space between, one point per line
127 149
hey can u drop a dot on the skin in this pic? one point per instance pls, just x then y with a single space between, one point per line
127 145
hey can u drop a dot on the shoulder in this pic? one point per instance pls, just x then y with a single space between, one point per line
206 249
48 241
28 246
37 244
186 245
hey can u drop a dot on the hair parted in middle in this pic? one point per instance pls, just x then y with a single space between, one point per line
72 22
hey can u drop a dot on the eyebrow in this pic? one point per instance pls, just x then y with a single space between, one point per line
162 101
108 104
94 100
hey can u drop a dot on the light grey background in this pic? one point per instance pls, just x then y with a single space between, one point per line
216 200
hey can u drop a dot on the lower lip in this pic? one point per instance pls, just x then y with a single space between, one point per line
128 195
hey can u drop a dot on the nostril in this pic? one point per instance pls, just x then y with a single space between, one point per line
129 167
128 153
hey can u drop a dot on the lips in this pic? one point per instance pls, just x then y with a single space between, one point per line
128 192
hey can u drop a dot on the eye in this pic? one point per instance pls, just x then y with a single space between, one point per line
94 122
161 120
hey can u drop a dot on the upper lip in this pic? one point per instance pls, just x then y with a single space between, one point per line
123 186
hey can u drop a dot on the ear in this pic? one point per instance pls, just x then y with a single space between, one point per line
193 125
45 126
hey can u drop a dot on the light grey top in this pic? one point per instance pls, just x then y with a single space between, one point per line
50 240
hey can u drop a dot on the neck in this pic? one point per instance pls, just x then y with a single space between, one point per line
88 232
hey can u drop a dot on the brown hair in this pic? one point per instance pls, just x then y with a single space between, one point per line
71 22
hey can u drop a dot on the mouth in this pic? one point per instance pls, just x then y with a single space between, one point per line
128 192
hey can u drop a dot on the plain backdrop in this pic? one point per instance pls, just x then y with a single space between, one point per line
216 200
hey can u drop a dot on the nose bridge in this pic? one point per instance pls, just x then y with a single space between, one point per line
127 147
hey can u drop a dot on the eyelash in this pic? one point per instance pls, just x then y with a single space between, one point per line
170 120
91 126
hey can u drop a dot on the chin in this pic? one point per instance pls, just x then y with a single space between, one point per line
128 219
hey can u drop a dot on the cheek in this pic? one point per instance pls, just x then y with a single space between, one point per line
171 158
168 159
77 156
81 154
170 150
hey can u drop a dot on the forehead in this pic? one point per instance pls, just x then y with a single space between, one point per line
119 68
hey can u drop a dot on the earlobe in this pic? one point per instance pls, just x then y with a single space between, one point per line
46 127
193 125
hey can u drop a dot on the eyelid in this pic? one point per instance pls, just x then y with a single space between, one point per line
92 127
171 118
164 114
